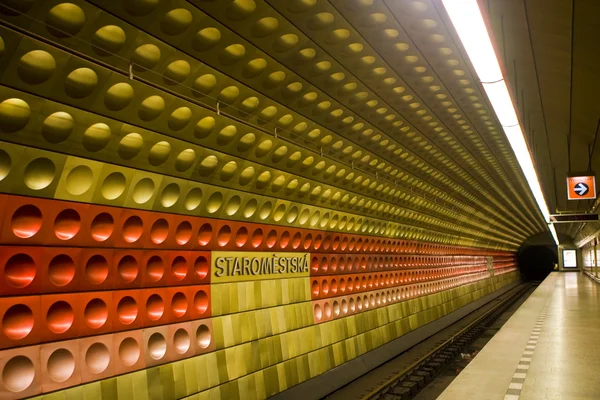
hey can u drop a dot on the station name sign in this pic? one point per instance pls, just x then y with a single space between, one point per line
230 266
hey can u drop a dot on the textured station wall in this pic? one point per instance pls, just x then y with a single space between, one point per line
153 248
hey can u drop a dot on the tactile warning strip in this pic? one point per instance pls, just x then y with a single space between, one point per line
518 378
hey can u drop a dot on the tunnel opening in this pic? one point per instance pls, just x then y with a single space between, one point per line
536 262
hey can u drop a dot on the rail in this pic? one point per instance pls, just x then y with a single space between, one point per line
389 384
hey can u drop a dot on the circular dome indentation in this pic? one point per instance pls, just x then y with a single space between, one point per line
17 322
183 233
14 115
61 270
264 148
201 269
57 127
159 153
79 180
240 9
204 127
18 374
118 96
155 269
229 94
201 301
102 227
206 39
157 346
108 40
214 202
129 351
170 195
246 141
204 234
81 82
179 270
128 268
130 146
39 173
208 165
146 56
155 307
250 208
228 171
241 236
265 210
320 21
179 304
337 36
233 205
185 160
232 54
143 191
113 186
26 221
96 269
61 365
95 313
67 224
151 108
159 231
176 21
64 20
96 137
180 118
250 104
97 358
60 317
226 135
285 42
127 310
36 67
193 199
264 27
177 71
254 68
203 337
19 270
182 341
133 229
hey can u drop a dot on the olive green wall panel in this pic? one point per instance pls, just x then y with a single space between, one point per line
273 363
119 186
151 151
120 102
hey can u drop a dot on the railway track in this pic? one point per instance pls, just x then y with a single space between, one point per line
406 375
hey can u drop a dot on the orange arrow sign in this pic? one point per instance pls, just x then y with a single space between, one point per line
581 187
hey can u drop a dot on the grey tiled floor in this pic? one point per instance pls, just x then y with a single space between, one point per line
565 363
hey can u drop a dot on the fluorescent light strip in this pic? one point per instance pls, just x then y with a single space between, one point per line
553 232
498 94
468 22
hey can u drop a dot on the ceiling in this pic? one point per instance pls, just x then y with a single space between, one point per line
366 108
551 53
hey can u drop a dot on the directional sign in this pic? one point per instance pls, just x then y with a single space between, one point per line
581 187
571 218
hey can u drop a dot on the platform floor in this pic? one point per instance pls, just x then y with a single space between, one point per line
549 349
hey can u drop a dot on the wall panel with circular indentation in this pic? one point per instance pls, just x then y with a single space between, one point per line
139 137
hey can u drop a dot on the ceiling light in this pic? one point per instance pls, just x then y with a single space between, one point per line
468 22
469 25
553 232
517 142
498 94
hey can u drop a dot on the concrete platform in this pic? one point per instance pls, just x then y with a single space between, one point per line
549 349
